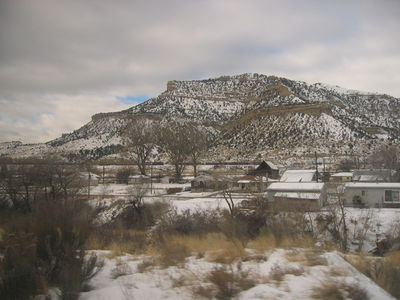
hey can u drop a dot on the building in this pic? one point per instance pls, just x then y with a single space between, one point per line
299 176
342 177
251 184
305 195
382 175
266 169
372 194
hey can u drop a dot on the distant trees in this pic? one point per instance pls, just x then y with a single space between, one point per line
140 137
21 185
198 143
386 157
182 142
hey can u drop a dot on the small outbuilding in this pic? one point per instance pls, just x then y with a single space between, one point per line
342 177
251 184
305 195
266 169
372 194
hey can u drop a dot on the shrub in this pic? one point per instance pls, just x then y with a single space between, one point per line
384 271
226 283
46 247
339 290
188 222
171 191
144 217
122 176
172 254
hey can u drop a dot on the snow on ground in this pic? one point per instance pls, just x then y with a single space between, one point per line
277 274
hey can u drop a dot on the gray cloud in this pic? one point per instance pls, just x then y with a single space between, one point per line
56 55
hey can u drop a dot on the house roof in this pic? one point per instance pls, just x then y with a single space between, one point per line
373 185
271 165
291 195
373 175
343 174
298 175
296 186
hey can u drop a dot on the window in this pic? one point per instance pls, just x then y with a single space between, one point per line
363 193
392 196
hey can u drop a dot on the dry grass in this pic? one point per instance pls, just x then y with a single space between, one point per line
384 271
119 241
339 290
145 265
268 241
173 254
224 283
307 257
214 246
278 273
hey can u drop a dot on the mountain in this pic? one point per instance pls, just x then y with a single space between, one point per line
253 113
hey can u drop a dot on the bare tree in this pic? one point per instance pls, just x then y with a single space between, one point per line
386 156
175 140
136 194
140 138
197 144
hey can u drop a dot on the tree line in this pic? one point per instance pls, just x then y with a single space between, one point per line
182 141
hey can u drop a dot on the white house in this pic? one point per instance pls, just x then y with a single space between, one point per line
299 176
307 194
372 194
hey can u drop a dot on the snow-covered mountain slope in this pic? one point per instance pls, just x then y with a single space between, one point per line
251 112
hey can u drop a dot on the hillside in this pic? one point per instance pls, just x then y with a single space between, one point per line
249 113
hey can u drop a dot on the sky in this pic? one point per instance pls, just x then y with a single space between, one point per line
63 61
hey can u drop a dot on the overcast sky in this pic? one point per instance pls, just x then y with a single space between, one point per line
63 61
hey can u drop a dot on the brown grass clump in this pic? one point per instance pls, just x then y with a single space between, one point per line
224 283
173 254
262 243
269 241
227 255
145 265
339 290
278 273
384 271
307 257
215 247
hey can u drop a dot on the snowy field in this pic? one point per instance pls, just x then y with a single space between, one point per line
275 274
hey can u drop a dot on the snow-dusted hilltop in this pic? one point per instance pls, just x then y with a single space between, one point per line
252 113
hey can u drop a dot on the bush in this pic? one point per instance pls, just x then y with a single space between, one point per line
144 217
384 271
122 176
188 222
46 247
226 283
340 290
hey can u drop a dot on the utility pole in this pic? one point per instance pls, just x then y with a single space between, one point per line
316 165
